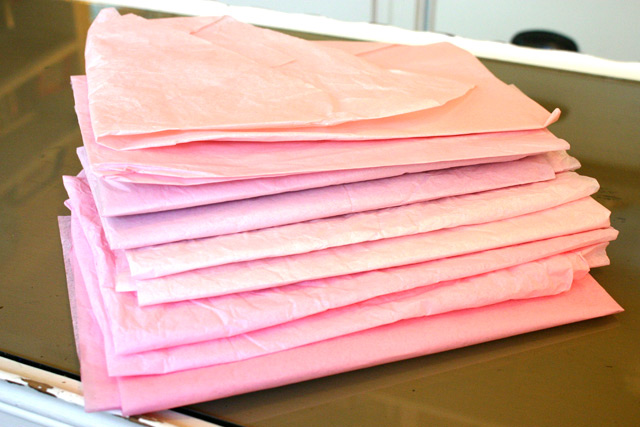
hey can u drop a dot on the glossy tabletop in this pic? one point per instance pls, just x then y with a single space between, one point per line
580 374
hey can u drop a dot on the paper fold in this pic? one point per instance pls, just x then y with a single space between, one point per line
295 207
234 85
586 299
406 219
581 215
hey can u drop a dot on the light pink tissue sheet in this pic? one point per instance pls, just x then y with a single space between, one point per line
133 178
162 260
360 95
491 106
289 208
117 198
541 278
230 86
100 391
397 341
532 280
574 217
536 279
138 329
191 163
561 161
168 180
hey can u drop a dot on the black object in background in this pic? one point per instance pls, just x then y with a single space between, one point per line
544 40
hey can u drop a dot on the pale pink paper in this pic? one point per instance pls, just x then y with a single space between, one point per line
136 329
581 215
326 68
289 208
117 198
541 278
536 279
139 330
523 281
414 218
561 161
206 86
491 106
234 314
100 391
241 160
133 178
397 341
180 181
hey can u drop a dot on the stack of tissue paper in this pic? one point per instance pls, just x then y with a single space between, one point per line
257 210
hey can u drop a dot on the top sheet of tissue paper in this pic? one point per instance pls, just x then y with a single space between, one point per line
230 75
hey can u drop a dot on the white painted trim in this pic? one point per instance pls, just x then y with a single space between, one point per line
27 416
561 60
62 401
35 406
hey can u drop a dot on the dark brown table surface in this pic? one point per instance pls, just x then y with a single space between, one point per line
586 373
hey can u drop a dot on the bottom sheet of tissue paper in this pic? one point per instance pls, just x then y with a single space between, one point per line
396 341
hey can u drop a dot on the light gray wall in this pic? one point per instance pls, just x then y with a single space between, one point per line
605 28
408 14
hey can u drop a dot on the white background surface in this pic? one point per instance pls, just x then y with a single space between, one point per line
608 29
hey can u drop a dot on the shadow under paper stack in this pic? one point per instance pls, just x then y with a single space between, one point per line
257 210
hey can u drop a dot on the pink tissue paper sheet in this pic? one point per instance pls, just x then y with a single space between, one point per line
540 278
116 198
396 341
99 390
491 106
289 208
138 329
574 217
581 215
168 178
241 160
162 260
235 82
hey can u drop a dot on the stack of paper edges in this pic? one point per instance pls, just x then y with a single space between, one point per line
257 210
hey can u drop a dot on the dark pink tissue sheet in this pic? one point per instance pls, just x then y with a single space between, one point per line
397 341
